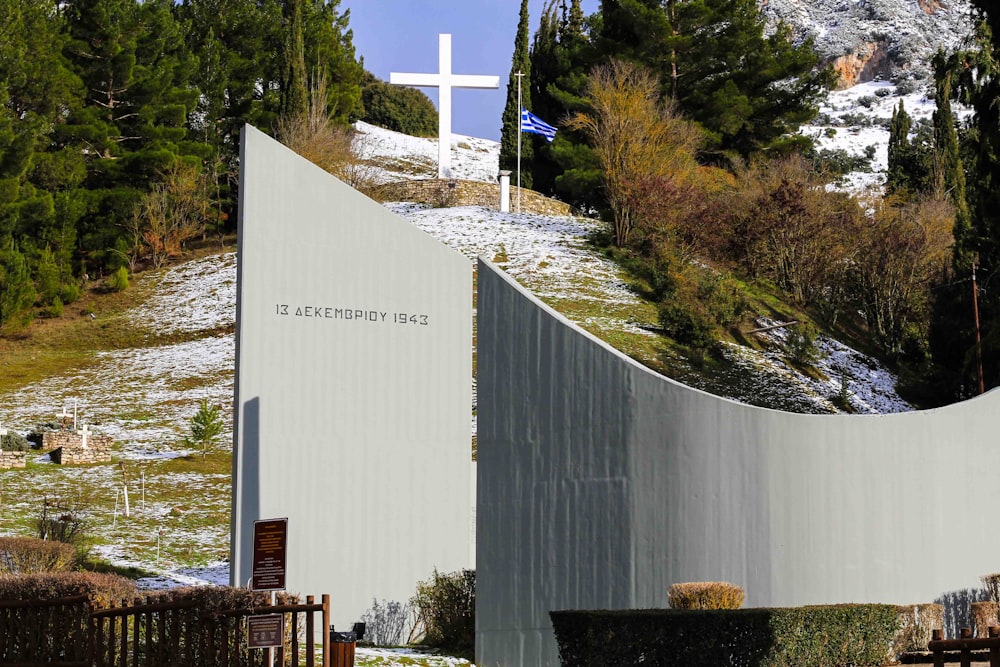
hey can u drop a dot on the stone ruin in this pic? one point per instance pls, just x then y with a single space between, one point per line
72 447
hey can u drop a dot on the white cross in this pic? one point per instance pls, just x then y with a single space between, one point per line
64 416
444 81
85 432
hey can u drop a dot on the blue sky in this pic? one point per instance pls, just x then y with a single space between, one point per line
402 36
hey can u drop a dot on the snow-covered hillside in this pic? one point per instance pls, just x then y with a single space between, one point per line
145 396
868 39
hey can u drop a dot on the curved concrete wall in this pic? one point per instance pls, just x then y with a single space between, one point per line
601 483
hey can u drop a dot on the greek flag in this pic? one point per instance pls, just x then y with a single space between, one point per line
535 125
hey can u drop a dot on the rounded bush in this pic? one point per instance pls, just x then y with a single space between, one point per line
705 595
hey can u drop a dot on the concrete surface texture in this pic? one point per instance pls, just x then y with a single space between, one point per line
353 387
601 483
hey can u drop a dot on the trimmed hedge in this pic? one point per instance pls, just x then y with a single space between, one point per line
819 636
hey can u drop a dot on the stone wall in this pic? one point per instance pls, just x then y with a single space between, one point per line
76 455
70 440
453 192
67 447
12 460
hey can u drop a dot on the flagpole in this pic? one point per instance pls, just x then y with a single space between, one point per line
519 75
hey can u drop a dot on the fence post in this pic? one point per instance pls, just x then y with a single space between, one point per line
965 655
326 630
310 638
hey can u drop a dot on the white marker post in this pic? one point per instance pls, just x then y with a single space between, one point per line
3 432
444 81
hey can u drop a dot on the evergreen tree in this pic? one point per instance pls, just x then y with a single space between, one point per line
561 59
910 161
38 175
519 80
748 87
948 166
17 293
974 76
329 54
295 89
137 71
399 108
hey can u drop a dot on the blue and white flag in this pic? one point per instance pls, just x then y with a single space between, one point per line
535 125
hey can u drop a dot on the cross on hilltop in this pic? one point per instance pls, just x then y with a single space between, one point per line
444 81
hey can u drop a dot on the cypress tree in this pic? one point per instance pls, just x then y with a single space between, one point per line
511 130
899 140
295 90
949 170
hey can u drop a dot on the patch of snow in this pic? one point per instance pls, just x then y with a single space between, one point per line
416 157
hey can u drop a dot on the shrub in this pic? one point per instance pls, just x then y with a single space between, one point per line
915 624
118 281
446 607
800 344
723 297
984 614
385 622
687 324
14 442
69 293
705 595
65 521
103 589
26 555
55 309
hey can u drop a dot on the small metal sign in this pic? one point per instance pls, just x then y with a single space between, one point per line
270 541
265 631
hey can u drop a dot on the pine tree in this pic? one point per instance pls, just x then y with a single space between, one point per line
137 71
520 78
749 87
17 293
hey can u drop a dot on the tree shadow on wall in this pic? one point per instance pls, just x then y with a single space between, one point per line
957 609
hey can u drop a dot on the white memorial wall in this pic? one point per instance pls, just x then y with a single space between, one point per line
353 387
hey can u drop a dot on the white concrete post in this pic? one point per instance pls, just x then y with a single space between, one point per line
505 191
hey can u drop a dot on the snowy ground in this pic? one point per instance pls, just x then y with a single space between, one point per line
855 119
144 397
401 156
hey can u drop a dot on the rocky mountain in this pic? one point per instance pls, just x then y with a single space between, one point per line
869 40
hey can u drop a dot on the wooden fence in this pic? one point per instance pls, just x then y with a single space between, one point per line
71 633
965 646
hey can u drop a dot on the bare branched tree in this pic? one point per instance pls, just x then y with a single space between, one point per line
174 211
335 148
635 136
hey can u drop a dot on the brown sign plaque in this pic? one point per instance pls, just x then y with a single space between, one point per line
265 631
270 540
